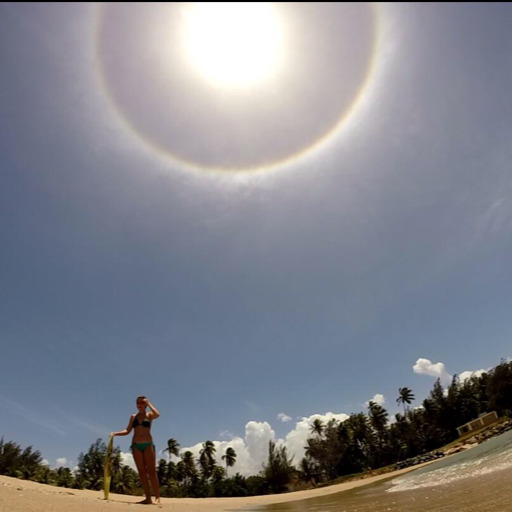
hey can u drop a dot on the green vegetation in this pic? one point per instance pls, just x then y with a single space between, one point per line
279 468
335 451
405 396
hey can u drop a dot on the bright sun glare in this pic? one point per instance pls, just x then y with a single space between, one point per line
233 44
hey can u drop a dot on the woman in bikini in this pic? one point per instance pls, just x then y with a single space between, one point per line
142 446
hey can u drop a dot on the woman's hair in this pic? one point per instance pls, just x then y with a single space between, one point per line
140 397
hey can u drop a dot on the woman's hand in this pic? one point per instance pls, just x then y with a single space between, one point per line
113 434
154 413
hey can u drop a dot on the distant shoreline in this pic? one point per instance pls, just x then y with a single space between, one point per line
463 443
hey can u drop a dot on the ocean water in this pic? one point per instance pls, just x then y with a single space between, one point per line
476 480
486 458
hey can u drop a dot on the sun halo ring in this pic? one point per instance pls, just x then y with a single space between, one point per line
311 149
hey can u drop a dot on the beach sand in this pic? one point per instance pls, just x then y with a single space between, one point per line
25 496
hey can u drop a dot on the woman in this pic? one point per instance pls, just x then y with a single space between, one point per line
142 446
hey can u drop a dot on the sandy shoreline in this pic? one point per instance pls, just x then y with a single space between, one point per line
25 496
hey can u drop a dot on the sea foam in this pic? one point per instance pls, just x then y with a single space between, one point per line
479 463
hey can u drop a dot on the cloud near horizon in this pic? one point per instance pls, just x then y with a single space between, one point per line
378 399
436 370
252 449
296 439
127 458
468 374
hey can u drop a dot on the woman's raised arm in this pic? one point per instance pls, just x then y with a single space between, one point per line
126 431
154 412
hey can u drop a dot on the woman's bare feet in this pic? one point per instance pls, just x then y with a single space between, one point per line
147 501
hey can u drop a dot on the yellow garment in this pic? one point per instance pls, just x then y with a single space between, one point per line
108 467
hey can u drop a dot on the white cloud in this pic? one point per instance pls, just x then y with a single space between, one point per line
468 374
44 462
62 461
243 464
378 399
127 459
436 370
295 440
283 417
252 450
257 437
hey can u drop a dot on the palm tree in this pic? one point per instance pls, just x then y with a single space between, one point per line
181 472
343 433
117 465
279 468
310 448
317 427
359 428
172 448
45 475
307 471
171 470
161 472
209 450
207 458
217 475
64 477
405 396
27 473
230 458
378 418
125 482
204 464
189 466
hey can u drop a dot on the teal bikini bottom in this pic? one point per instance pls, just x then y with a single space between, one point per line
141 446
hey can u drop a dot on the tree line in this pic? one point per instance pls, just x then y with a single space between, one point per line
364 441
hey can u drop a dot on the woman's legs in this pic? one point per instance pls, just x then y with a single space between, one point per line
138 457
150 461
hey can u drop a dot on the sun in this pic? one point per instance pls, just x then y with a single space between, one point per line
237 87
233 44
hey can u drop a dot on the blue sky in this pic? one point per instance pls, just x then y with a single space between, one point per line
229 298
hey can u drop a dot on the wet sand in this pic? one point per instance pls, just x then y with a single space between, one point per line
25 496
483 493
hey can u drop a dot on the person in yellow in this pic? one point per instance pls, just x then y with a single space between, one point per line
142 447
